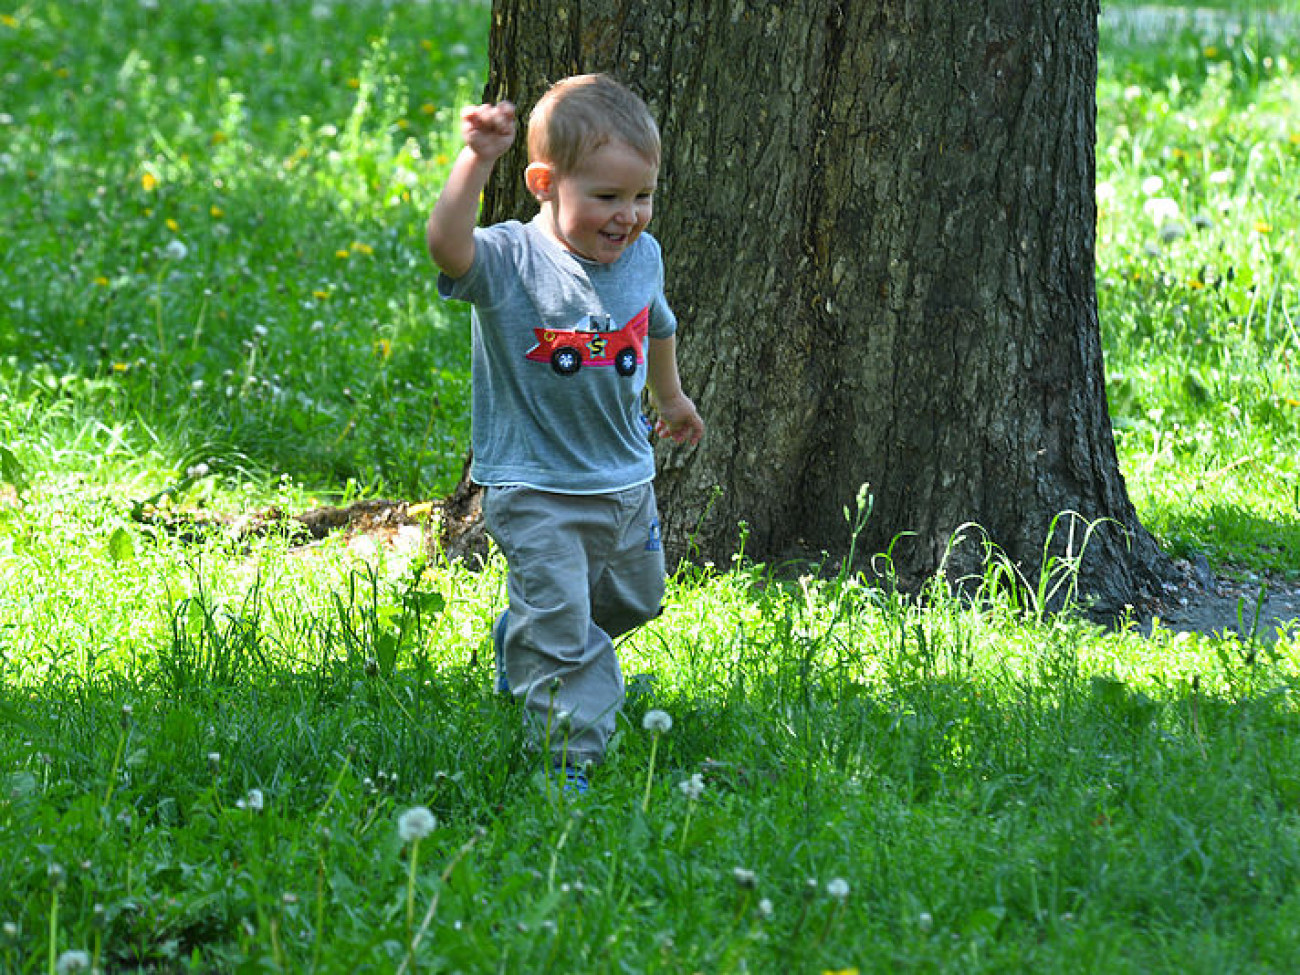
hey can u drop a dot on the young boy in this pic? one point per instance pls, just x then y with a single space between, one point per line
570 323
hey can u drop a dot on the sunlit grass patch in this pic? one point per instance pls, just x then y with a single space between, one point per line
1197 194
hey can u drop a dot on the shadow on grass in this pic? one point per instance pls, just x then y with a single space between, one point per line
1231 536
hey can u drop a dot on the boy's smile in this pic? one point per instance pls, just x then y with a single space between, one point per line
597 210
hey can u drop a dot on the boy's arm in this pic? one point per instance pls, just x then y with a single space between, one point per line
488 131
678 417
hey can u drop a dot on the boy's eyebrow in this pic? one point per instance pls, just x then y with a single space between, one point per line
616 188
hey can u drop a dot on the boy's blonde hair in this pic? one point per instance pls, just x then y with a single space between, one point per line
580 114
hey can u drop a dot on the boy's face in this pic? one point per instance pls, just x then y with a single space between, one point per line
597 210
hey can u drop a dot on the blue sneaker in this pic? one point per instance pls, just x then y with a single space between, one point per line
499 647
574 780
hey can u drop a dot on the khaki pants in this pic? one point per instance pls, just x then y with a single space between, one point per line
584 569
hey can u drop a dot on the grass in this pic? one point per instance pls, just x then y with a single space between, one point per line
214 282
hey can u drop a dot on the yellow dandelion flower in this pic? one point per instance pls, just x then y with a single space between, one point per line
1195 285
354 82
1211 51
62 73
218 137
442 159
428 108
268 48
1263 227
121 366
216 212
148 211
101 281
149 182
320 295
1292 402
383 348
403 123
9 20
173 226
361 248
342 254
424 43
302 152
1295 138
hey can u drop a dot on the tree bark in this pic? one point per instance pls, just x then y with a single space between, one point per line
878 219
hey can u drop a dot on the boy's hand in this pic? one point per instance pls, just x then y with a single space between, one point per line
488 130
679 420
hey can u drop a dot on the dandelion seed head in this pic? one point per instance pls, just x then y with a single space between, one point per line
745 879
176 251
415 824
1161 209
1171 231
924 921
765 909
693 787
72 961
657 722
838 888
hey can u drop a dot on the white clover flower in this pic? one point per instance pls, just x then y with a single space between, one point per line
693 787
176 251
1152 185
657 722
415 824
1221 176
838 888
72 961
745 879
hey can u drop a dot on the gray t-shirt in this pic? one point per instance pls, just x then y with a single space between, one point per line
559 348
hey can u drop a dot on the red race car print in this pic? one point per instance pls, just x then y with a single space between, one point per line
593 342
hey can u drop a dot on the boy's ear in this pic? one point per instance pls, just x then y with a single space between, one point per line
539 177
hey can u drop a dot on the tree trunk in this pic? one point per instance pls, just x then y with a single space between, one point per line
878 220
